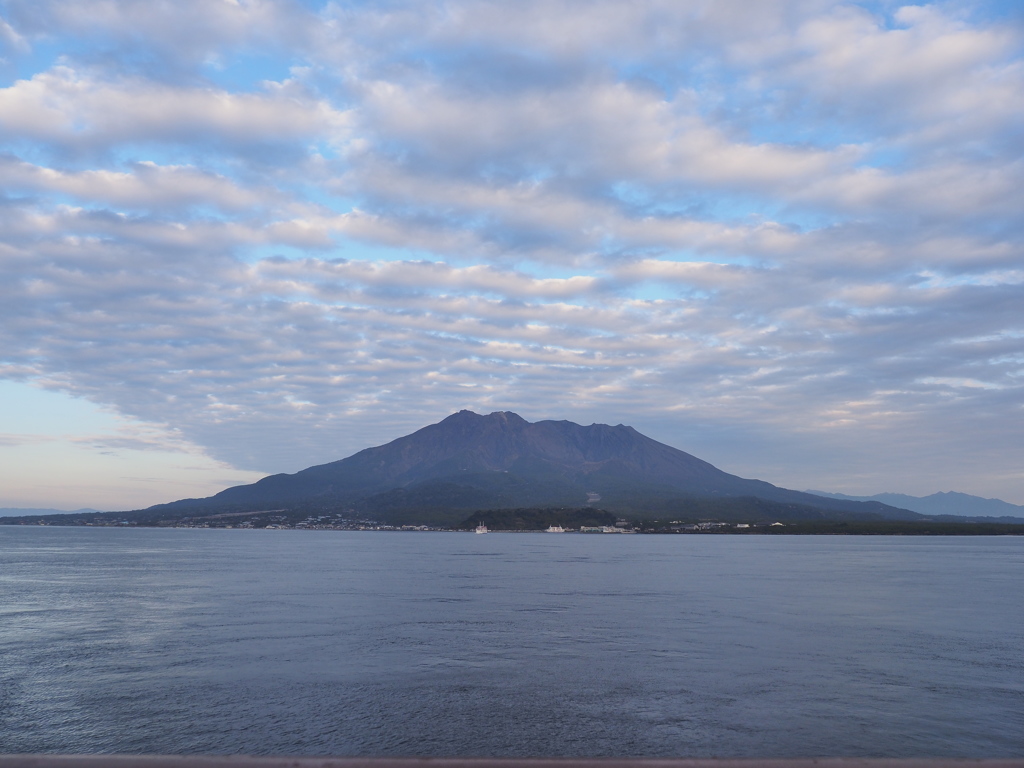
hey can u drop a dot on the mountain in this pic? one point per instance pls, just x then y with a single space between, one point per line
501 461
949 503
24 511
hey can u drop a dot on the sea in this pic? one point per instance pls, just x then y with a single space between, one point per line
277 642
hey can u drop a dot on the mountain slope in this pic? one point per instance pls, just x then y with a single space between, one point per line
469 461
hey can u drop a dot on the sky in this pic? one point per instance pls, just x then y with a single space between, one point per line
246 237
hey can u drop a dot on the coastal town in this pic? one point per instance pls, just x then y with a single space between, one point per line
274 520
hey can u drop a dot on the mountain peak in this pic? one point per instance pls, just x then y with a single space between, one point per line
466 413
507 416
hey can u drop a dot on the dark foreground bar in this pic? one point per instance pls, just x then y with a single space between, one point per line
242 761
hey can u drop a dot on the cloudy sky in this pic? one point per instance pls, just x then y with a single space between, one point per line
242 237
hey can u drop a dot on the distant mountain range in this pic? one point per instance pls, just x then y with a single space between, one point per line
500 461
975 508
23 511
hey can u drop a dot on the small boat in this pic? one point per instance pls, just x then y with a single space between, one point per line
555 529
482 528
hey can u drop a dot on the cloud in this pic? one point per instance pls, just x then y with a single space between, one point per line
11 39
227 350
930 70
146 185
9 440
78 112
787 228
548 167
165 41
404 277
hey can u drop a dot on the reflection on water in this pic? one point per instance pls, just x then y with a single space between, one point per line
287 642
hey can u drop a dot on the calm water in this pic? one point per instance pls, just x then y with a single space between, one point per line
281 642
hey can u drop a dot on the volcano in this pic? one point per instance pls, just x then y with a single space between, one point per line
470 461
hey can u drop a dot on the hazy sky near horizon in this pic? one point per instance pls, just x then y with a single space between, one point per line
238 238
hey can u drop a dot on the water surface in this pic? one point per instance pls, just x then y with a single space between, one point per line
364 643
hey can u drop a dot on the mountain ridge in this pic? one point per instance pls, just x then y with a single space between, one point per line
943 503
